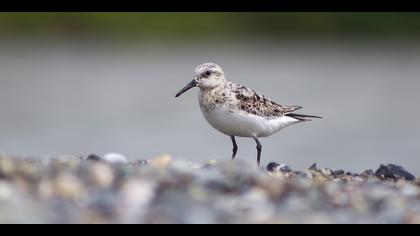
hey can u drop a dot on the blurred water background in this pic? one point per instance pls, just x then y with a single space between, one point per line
81 83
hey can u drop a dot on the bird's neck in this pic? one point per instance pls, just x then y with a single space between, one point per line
213 90
211 98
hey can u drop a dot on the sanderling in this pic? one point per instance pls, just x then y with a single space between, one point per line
236 110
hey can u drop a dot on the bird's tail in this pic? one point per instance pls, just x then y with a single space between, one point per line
302 117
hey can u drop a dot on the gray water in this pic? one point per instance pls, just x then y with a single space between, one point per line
59 98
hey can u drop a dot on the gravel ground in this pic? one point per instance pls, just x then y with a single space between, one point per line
111 190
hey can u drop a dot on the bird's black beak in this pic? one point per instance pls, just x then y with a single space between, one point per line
192 84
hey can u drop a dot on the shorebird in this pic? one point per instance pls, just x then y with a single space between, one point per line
238 111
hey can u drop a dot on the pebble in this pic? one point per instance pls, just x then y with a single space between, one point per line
367 173
94 157
7 167
112 158
68 186
142 163
358 179
273 166
102 175
284 168
172 191
209 164
409 190
393 172
134 197
326 172
115 158
66 162
162 161
337 173
313 167
6 191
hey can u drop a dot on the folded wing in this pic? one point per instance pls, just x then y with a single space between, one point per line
255 103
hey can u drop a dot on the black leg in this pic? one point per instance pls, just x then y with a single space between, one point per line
235 147
259 148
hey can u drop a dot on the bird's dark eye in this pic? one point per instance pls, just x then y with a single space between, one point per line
207 73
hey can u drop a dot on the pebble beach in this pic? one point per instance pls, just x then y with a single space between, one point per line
109 189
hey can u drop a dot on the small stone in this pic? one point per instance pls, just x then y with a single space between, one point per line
143 162
7 167
326 172
313 167
102 207
115 158
66 161
300 174
290 174
94 157
407 189
161 161
284 168
133 199
337 173
358 179
6 191
367 173
272 188
102 175
209 164
45 190
112 158
307 174
68 186
393 172
273 166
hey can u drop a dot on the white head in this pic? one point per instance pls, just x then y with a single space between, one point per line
207 76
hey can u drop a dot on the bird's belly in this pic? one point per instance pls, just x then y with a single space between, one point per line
242 124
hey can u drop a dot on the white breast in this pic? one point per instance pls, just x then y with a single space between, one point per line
242 124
